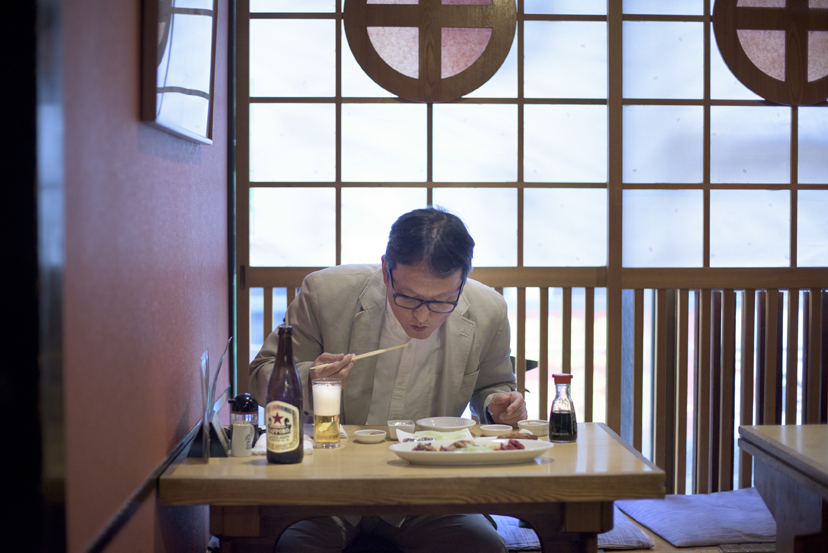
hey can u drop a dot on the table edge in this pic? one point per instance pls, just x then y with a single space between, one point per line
781 453
649 484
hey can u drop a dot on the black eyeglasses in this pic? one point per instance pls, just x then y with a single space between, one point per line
407 302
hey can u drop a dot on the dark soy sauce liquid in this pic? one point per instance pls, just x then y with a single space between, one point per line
562 427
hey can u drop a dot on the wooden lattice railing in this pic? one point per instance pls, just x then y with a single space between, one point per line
714 354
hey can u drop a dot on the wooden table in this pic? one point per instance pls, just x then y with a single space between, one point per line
566 494
791 474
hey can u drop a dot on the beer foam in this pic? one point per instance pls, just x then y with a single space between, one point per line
326 400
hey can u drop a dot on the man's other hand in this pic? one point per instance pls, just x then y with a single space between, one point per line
508 408
340 367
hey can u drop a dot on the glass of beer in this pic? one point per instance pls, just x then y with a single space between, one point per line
326 397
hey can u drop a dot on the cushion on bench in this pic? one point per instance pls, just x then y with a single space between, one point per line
624 535
738 516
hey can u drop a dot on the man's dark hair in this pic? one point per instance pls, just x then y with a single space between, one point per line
434 236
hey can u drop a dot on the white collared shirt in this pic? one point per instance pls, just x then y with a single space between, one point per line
404 382
405 379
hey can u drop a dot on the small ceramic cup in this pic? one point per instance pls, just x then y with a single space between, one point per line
536 427
494 429
241 444
404 425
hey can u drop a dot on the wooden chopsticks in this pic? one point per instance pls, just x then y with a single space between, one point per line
364 355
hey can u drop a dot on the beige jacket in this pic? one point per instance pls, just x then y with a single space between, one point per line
341 310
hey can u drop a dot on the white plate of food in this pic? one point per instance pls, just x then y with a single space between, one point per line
481 452
445 424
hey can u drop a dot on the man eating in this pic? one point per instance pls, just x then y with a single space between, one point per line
458 354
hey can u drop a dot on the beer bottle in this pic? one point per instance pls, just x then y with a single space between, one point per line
284 414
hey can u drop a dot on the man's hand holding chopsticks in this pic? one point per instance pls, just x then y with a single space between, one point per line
340 365
508 408
333 365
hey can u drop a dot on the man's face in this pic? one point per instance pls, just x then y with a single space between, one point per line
416 281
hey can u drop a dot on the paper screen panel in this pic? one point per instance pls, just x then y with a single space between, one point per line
490 214
357 83
503 83
475 143
663 228
750 144
665 7
292 57
766 49
365 228
812 228
723 83
574 7
813 145
761 3
399 47
817 55
750 228
461 47
384 142
309 6
292 142
663 144
565 227
566 143
565 59
280 231
663 59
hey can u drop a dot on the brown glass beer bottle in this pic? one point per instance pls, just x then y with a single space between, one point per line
284 414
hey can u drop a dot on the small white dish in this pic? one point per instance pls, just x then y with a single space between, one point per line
535 426
403 425
445 424
495 429
369 436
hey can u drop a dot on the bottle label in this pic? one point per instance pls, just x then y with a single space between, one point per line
284 430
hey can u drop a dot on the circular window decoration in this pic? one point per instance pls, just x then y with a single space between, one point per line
430 50
776 48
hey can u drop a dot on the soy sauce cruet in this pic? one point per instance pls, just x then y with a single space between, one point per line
563 426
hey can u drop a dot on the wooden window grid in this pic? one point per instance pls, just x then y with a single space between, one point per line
710 332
